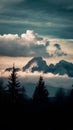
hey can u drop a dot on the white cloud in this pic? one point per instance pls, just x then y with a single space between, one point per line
8 37
28 44
30 35
30 80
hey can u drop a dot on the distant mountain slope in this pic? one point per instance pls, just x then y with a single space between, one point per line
64 67
38 64
10 69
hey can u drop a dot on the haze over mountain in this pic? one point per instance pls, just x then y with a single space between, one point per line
38 64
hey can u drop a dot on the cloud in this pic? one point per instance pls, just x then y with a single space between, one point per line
28 44
24 45
58 50
33 78
30 80
50 17
57 46
55 50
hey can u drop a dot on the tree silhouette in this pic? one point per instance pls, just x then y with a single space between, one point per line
14 87
71 92
71 96
40 94
2 92
60 96
1 86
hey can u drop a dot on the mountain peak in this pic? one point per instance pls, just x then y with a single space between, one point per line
36 64
63 62
39 65
37 59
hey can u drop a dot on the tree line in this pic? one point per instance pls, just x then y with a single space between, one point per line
17 93
17 109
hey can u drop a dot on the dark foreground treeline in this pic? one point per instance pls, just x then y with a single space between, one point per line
17 111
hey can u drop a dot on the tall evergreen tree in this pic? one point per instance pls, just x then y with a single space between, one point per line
2 92
60 95
40 94
14 88
1 86
71 95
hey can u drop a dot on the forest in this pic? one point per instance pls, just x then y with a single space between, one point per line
41 111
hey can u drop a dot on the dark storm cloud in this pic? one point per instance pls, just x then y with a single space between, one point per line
44 16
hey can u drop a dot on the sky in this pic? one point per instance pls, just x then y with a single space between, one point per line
31 28
53 18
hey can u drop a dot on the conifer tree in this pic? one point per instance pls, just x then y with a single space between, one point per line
71 95
2 92
71 92
14 87
60 95
40 94
1 86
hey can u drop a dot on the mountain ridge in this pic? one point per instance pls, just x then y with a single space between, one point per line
61 68
37 64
